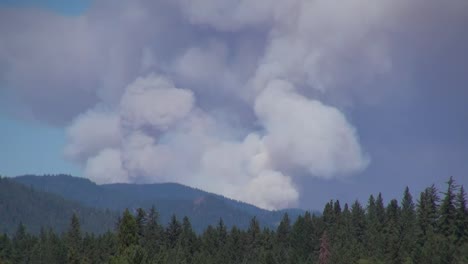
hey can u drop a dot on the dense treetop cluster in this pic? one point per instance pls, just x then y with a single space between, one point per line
434 229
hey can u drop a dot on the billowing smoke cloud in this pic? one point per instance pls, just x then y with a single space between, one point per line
234 97
164 136
307 133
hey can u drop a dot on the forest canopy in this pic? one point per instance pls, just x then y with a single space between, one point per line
432 229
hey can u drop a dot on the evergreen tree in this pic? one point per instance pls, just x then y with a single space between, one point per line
210 242
392 234
141 223
269 258
358 218
337 210
153 234
461 227
447 223
39 250
357 231
427 213
133 254
58 247
374 232
282 239
5 248
461 218
409 236
314 229
324 255
173 232
74 241
222 233
235 246
107 246
328 215
372 225
343 243
407 225
448 211
90 250
187 244
336 220
22 244
427 237
380 208
298 240
127 232
253 241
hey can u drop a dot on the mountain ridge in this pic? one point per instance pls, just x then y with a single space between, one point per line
37 209
203 208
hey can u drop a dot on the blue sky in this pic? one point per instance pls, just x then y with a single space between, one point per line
238 103
69 8
31 147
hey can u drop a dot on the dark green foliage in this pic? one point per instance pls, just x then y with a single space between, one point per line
392 233
74 241
187 244
432 232
5 247
133 254
427 237
447 224
22 245
141 223
173 231
461 218
374 236
324 256
358 227
448 211
298 239
428 211
127 232
283 243
342 239
407 225
38 209
153 236
254 241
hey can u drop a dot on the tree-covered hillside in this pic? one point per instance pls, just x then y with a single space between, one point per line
36 209
201 207
431 230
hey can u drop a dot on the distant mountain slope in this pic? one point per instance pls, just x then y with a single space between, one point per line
36 209
201 207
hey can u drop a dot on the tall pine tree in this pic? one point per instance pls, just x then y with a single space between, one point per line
324 255
427 238
461 218
392 234
74 241
127 231
407 225
447 223
282 239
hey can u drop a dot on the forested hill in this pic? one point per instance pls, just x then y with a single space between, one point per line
201 207
36 209
432 229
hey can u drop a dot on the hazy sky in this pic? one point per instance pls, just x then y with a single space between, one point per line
276 103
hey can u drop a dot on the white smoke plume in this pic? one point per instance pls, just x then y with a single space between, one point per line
233 97
165 137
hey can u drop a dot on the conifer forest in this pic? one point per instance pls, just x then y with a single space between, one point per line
430 228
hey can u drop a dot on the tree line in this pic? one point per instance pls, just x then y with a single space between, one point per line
431 230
